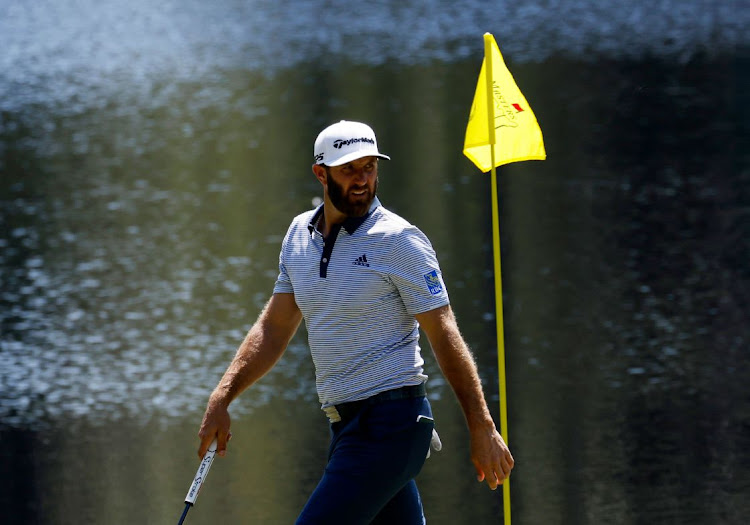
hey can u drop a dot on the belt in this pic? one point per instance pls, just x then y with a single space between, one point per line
347 411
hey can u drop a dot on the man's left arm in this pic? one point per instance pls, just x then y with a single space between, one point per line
489 453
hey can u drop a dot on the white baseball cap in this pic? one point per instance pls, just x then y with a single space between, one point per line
344 142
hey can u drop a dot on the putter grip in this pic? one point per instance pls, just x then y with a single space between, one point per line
200 476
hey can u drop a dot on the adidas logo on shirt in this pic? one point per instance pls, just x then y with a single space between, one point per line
362 261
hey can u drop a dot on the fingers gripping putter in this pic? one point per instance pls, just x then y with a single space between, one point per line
200 477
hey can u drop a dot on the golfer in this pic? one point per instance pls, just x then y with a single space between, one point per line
364 280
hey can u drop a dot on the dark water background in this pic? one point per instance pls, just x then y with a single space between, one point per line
151 157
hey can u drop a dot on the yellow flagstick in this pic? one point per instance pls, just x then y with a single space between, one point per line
511 134
498 271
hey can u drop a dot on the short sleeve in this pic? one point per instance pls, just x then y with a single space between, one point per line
416 272
283 281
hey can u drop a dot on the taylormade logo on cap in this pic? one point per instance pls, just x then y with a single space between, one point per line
344 142
338 143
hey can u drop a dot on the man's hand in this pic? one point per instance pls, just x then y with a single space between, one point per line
491 457
215 424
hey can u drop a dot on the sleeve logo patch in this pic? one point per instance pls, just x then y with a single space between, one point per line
434 283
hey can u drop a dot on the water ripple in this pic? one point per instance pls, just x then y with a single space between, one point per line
77 52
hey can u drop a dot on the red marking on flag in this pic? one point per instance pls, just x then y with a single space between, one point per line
518 107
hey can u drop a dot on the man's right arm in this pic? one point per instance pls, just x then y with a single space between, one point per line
263 346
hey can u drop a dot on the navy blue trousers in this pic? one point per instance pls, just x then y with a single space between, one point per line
372 462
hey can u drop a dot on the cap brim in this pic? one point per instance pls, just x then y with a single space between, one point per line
356 155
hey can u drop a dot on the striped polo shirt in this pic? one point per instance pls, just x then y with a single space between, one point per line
358 292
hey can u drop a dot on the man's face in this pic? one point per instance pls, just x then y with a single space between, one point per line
353 186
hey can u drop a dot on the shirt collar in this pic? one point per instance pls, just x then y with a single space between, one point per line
350 224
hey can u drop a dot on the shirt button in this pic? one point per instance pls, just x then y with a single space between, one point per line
325 260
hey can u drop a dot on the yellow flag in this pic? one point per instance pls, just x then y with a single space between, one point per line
515 132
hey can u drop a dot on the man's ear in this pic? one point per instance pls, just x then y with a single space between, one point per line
320 173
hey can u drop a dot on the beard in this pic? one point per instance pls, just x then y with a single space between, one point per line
347 204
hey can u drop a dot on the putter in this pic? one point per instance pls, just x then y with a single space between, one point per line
200 477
